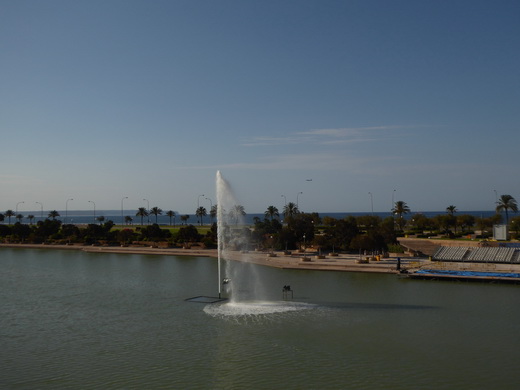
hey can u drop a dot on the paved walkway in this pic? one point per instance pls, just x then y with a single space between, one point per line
308 261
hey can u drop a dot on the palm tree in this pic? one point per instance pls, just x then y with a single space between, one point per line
201 212
155 211
271 212
290 210
213 212
128 220
507 202
19 217
184 218
54 214
30 217
100 219
9 214
399 209
141 212
171 214
451 209
236 212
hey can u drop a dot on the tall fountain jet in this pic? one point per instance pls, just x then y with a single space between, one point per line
230 238
244 286
225 201
220 187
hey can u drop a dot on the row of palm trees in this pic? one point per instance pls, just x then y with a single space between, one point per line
142 212
10 213
505 203
238 211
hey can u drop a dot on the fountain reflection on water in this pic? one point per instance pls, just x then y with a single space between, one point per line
242 285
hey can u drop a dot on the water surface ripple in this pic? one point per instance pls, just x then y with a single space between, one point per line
90 321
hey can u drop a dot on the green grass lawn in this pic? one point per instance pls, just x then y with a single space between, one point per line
172 229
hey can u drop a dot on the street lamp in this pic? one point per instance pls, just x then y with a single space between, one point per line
393 193
198 205
17 207
41 206
67 208
198 201
283 196
122 216
148 210
297 195
94 208
210 208
371 202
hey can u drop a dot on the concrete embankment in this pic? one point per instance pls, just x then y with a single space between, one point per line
306 260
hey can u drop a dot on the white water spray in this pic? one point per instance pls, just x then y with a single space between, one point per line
220 215
229 238
243 285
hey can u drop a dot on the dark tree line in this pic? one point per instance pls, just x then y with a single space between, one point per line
303 230
55 232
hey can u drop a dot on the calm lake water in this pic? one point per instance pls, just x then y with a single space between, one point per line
70 319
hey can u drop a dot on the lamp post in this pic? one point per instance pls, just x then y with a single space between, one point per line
94 208
17 207
122 213
198 205
283 196
496 197
297 195
148 211
392 210
198 201
67 208
210 208
41 207
371 202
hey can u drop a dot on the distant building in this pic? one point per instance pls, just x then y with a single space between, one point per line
500 232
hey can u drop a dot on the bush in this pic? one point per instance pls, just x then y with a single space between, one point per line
187 234
395 248
209 243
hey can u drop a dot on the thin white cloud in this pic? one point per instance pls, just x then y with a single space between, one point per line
272 141
347 131
307 161
324 136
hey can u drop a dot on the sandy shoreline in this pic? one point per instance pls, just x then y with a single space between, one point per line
304 261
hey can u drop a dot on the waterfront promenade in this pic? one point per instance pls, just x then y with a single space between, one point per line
294 260
341 262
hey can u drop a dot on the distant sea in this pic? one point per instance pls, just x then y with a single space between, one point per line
86 217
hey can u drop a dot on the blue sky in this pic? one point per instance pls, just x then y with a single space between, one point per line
101 100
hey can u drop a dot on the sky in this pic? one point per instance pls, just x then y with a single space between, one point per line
339 106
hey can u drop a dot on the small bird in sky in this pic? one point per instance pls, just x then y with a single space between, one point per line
308 179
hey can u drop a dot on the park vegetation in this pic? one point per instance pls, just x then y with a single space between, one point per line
287 230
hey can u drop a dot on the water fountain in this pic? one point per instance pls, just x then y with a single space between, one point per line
232 242
239 282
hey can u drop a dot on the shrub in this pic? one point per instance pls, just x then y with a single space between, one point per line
395 248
